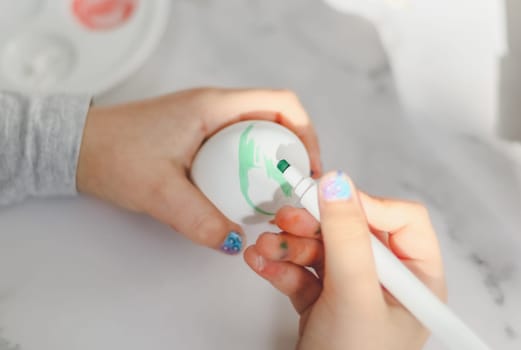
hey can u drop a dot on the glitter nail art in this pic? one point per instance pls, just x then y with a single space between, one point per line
336 188
232 244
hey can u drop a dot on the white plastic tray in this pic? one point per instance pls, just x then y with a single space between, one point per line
46 48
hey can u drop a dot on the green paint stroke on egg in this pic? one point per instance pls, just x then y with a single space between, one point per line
251 157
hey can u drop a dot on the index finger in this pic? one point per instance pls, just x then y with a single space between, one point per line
298 222
411 235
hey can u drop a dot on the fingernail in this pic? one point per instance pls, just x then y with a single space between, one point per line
232 244
259 263
336 187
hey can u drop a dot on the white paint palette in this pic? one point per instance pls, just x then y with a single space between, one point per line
76 46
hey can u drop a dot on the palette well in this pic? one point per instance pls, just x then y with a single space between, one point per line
76 46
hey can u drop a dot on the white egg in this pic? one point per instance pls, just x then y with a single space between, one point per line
237 170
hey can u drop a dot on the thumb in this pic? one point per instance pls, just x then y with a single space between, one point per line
186 209
349 259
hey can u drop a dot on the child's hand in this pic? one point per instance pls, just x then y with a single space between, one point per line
138 155
343 306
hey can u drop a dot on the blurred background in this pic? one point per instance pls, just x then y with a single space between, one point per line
413 98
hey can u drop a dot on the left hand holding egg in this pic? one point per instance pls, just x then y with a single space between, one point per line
138 155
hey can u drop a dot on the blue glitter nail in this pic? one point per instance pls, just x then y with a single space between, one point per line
232 244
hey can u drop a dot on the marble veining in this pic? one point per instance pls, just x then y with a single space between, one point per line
5 345
81 274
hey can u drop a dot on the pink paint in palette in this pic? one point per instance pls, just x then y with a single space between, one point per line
103 14
76 46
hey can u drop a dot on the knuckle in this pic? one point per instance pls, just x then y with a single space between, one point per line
300 283
208 229
290 95
155 195
309 253
419 210
413 208
355 226
301 252
192 94
284 93
348 226
202 95
386 203
318 253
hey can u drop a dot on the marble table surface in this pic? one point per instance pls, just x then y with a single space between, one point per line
80 274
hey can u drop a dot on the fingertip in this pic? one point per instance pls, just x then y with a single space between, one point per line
282 211
233 243
336 186
297 221
182 206
272 246
248 253
286 217
254 260
315 165
299 284
261 238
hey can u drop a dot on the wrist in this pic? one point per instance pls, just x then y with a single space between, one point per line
85 171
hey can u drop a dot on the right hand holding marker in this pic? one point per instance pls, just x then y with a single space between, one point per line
345 307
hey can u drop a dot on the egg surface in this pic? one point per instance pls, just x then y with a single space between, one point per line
237 169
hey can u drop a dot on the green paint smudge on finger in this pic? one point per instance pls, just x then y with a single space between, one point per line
284 245
251 157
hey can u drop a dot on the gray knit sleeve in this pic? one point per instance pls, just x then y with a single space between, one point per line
40 140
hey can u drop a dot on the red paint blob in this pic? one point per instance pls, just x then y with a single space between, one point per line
103 14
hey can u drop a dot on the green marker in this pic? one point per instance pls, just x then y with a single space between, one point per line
282 165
